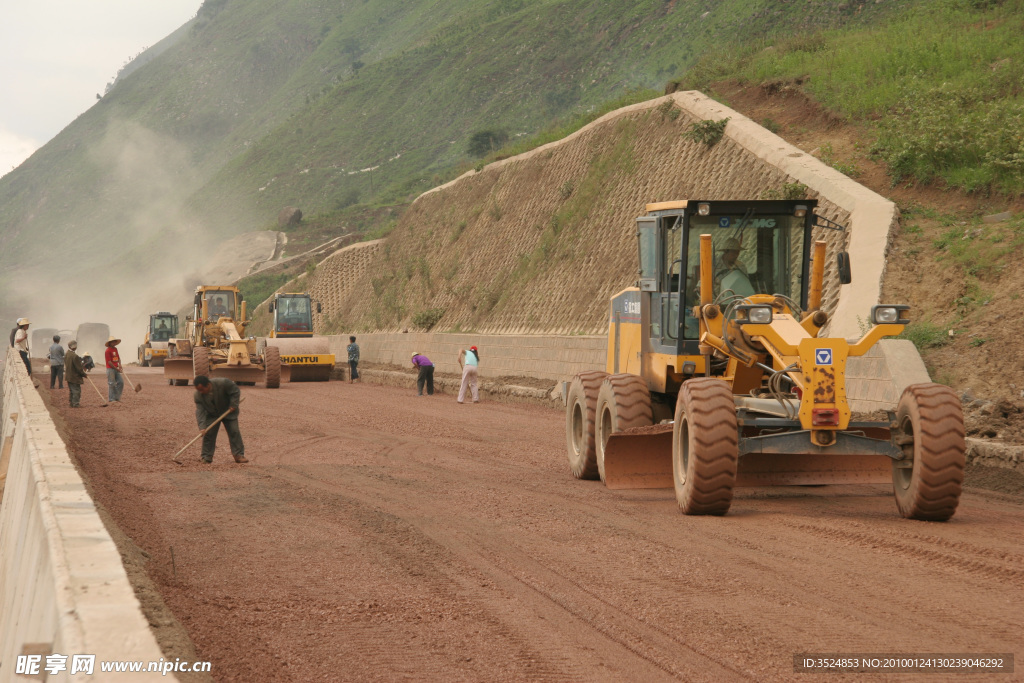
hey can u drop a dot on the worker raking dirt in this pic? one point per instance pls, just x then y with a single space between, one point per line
217 400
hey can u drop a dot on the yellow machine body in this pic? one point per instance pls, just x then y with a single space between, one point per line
308 358
214 343
666 331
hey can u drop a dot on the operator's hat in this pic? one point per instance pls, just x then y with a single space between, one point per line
731 244
113 341
23 321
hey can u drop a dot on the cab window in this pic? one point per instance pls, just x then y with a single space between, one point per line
220 304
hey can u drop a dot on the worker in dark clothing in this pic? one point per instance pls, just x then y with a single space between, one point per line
426 373
74 373
213 398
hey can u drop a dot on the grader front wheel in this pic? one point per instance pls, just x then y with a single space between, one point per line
930 428
272 359
201 361
705 451
623 402
580 411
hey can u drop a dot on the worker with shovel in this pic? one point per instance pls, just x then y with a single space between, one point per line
115 385
216 398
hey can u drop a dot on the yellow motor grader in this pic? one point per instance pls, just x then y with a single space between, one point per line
215 345
309 358
716 376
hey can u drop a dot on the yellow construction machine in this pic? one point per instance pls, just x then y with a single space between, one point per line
163 327
716 376
215 345
308 357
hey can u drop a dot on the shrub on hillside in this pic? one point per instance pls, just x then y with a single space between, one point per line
428 318
483 142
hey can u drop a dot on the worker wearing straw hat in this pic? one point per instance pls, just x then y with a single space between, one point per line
115 384
20 342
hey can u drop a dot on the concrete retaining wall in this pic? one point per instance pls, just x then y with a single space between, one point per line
874 381
63 589
544 357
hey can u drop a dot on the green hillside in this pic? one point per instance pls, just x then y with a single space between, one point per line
257 105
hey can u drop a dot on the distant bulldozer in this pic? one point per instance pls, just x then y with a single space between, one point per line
214 344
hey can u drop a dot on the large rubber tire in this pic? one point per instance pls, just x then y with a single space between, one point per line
623 402
931 423
705 447
272 359
201 361
580 409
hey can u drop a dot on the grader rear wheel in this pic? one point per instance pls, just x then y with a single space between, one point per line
201 361
705 452
580 409
272 359
623 402
930 426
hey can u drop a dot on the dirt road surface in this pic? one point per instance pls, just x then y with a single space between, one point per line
377 535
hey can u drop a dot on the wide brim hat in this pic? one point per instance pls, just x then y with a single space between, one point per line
415 353
112 340
24 321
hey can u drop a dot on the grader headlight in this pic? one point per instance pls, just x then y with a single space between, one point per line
890 315
754 314
703 209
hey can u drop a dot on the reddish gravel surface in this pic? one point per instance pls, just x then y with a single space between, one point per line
377 535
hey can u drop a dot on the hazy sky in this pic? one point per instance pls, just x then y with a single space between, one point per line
56 55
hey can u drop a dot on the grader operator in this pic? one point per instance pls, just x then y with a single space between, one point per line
215 345
716 376
308 357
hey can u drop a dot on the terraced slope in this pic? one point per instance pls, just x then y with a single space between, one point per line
537 243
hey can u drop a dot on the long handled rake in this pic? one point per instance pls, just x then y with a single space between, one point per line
202 433
104 404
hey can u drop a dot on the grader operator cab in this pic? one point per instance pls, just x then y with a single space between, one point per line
716 376
214 343
162 328
308 358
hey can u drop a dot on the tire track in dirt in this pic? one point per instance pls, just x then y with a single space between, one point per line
612 621
948 555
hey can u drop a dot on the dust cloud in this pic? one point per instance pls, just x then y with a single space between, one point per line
138 249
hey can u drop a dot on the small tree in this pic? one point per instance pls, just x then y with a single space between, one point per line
484 142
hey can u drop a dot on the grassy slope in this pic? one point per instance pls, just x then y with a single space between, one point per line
942 87
259 92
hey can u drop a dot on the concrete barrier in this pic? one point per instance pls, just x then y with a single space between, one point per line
63 589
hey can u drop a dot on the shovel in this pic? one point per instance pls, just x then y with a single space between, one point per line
137 388
202 433
104 404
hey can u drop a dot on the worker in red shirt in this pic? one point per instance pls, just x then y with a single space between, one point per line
114 382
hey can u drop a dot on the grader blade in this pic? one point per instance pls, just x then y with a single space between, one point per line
240 373
178 367
639 459
804 469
